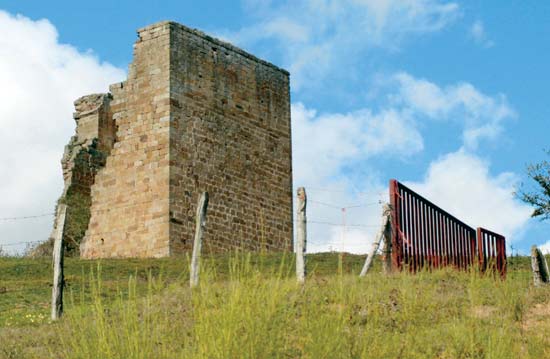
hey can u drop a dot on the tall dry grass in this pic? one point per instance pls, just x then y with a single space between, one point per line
259 311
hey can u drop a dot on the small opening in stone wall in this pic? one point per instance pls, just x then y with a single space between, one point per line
102 241
214 49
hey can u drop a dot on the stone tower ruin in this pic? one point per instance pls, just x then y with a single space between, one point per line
195 114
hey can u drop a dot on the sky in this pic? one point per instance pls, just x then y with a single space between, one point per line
448 97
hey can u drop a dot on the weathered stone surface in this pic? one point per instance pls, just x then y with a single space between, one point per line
195 114
84 156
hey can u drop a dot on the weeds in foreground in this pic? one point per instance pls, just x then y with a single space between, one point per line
259 313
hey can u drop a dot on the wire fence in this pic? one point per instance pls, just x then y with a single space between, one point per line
26 217
337 213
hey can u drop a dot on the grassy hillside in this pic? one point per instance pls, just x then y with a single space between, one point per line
251 307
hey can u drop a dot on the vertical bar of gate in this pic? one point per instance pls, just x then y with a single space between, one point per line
480 249
409 232
401 223
412 229
414 236
396 243
493 253
432 237
463 246
417 232
447 244
459 240
466 244
448 239
410 255
443 240
486 256
421 239
429 237
452 241
459 245
458 250
488 251
499 256
504 259
404 225
472 247
469 246
435 252
422 234
438 238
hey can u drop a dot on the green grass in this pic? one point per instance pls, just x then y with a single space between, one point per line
251 307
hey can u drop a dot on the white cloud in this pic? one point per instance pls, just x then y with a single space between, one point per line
325 146
482 115
40 80
478 34
545 248
317 36
462 184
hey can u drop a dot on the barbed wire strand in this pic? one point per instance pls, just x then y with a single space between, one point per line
18 243
26 217
347 206
310 221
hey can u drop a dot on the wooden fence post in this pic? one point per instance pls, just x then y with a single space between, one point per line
200 223
385 235
539 267
58 278
301 236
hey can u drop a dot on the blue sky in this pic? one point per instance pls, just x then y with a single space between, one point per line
447 96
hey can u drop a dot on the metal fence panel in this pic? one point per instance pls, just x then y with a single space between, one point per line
426 236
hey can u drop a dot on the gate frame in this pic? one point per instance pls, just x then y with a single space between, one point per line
485 247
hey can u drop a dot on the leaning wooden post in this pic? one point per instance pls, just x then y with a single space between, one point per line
200 222
301 236
383 234
58 279
539 267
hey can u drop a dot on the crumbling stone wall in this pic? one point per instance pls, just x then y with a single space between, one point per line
84 156
129 211
194 114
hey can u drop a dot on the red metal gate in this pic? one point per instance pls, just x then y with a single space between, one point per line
491 251
425 235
